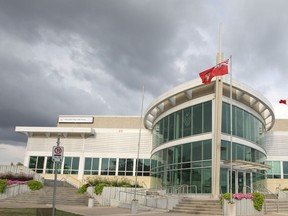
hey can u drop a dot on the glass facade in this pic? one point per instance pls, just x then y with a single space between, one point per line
191 163
245 125
188 164
36 163
183 123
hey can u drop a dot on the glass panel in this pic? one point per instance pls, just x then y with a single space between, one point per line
88 164
240 182
223 180
207 150
207 116
146 164
112 164
171 127
197 119
40 163
178 124
165 129
32 162
187 122
248 183
95 165
186 155
121 164
75 164
285 167
196 179
206 180
104 166
196 151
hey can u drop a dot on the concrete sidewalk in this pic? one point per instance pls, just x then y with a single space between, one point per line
104 211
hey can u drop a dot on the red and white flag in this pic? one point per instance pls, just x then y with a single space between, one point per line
218 70
283 101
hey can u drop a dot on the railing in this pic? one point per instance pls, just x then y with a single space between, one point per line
182 189
145 196
71 180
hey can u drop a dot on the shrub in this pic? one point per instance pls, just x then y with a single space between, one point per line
258 200
34 185
99 188
83 189
3 184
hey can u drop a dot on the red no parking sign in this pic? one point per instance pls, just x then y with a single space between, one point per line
57 153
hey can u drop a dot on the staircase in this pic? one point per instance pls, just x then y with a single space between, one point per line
198 207
274 205
65 195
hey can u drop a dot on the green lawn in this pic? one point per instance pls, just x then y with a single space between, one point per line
32 211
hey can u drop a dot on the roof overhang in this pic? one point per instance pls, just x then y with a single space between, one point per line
246 165
55 131
195 88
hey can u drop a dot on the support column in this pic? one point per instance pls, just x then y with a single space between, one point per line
216 145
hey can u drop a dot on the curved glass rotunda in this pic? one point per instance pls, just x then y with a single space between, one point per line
192 137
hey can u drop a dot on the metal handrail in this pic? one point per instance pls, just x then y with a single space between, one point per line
147 195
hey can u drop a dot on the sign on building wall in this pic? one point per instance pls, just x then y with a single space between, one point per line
57 153
75 119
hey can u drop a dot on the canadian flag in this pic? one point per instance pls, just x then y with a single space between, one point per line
283 101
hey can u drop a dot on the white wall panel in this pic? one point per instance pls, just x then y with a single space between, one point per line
277 143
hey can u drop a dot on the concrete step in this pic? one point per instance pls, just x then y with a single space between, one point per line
64 196
198 207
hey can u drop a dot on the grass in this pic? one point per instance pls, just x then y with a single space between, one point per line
33 211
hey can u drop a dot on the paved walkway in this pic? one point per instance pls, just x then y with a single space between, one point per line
103 211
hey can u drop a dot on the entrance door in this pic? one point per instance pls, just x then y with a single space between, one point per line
241 182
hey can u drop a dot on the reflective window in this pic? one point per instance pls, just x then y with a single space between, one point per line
275 171
91 166
71 165
125 167
189 164
36 163
190 121
245 125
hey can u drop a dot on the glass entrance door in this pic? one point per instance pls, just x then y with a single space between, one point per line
240 182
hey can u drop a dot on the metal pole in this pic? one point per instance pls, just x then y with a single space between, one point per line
55 180
231 130
134 206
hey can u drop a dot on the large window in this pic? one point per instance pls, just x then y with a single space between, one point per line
240 152
50 166
190 121
275 171
71 165
91 166
244 124
108 166
143 167
125 167
36 163
189 164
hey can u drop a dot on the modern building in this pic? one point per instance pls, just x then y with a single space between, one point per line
184 138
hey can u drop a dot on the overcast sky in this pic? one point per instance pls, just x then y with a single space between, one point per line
84 57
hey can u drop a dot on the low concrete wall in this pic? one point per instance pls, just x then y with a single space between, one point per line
14 190
243 207
122 197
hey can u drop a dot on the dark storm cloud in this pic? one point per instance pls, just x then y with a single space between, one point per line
92 57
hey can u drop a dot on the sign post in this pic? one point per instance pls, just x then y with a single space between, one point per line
57 158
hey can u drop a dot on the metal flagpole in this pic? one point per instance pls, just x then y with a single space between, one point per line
134 207
55 180
231 128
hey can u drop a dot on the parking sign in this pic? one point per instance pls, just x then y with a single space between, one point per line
57 153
